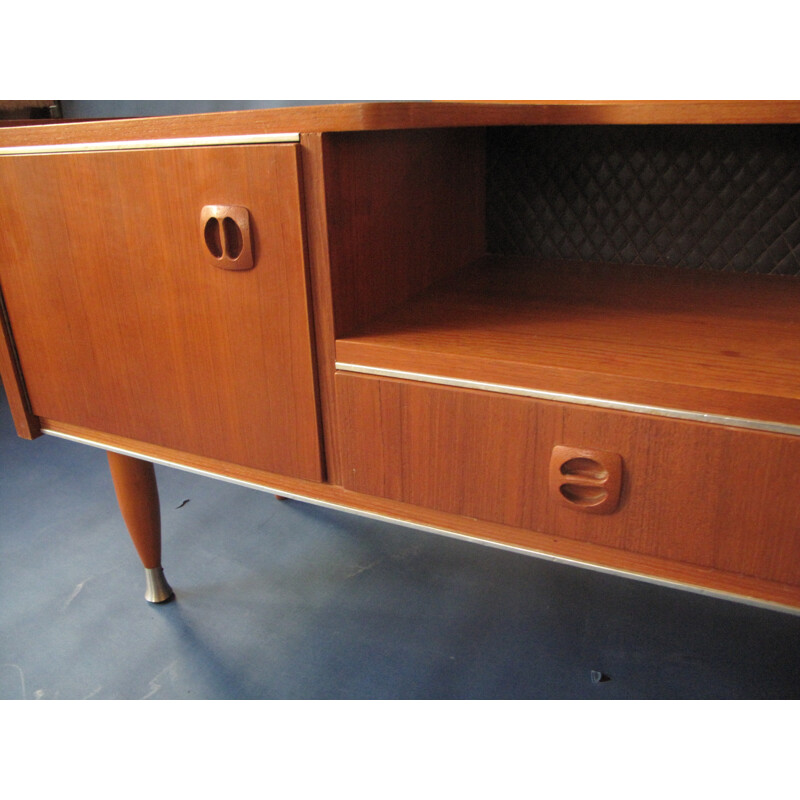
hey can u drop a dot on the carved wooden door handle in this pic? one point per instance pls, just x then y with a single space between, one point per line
227 236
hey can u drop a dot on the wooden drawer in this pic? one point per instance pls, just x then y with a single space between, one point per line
708 495
130 318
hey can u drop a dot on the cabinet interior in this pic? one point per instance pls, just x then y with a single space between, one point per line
645 264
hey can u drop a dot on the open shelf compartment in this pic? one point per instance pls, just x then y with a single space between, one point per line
711 343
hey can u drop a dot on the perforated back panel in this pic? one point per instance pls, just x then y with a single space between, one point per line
699 197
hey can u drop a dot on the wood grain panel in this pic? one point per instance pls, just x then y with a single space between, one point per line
708 495
321 294
699 341
123 323
404 209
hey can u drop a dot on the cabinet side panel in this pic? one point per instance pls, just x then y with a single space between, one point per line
311 154
405 208
25 423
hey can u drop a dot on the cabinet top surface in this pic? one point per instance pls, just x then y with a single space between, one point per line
404 115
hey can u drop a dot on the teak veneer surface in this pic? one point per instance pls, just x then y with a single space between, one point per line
124 323
691 492
404 209
321 295
700 341
396 116
387 213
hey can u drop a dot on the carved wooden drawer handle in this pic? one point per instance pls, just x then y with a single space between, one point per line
586 480
227 237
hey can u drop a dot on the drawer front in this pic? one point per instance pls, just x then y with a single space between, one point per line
707 495
134 315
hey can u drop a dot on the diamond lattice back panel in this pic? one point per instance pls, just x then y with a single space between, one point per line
699 197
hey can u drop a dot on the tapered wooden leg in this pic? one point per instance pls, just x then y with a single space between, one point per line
137 495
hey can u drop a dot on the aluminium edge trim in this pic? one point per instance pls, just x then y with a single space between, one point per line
150 144
598 402
385 518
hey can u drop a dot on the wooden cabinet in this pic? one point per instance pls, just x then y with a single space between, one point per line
567 328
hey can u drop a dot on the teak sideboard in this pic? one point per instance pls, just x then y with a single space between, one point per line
569 329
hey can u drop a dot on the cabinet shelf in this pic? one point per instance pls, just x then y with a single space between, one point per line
708 343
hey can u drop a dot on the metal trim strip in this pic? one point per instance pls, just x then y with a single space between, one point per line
150 144
671 584
598 402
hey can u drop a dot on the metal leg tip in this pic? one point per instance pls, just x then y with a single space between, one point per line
158 590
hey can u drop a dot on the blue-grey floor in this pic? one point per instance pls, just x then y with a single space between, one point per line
287 600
